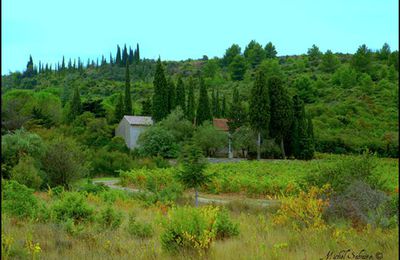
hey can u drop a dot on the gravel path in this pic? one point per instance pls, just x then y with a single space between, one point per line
265 203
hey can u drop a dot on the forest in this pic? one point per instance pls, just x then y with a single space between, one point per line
314 135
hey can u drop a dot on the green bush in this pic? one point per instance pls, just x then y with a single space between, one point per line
157 141
111 195
109 218
139 229
18 200
225 228
90 187
72 205
25 172
109 162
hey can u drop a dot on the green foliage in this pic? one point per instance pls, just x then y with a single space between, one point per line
314 55
244 139
270 51
209 139
75 106
330 62
203 106
119 109
254 53
27 173
237 114
139 229
91 187
71 205
64 162
18 200
160 96
108 217
176 124
127 96
181 95
230 54
106 162
157 141
362 59
224 226
190 108
238 67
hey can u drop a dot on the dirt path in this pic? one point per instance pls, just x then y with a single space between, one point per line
206 199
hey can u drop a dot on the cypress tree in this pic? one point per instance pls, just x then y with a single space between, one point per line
63 64
111 59
218 107
137 53
180 95
119 109
171 95
128 98
146 107
29 67
310 145
118 60
74 65
260 113
237 116
124 55
281 110
299 129
76 105
203 107
160 96
69 64
214 103
223 108
190 113
40 67
130 57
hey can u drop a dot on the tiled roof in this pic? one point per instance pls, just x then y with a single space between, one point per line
139 120
221 124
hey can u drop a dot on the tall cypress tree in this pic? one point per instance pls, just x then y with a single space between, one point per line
223 107
63 64
203 107
137 53
217 104
310 147
146 107
128 98
260 113
118 59
111 59
190 113
75 105
236 115
171 95
180 95
299 128
281 110
160 96
214 103
124 55
130 57
119 109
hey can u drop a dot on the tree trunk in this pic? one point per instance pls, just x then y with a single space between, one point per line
259 146
283 149
230 154
196 197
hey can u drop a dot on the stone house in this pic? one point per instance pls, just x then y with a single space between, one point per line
131 127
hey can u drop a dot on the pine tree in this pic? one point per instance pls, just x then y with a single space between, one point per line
180 95
281 110
260 113
125 55
270 51
76 105
119 109
128 98
118 59
160 96
203 107
190 113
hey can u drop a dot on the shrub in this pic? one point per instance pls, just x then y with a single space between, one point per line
304 211
157 141
138 229
25 172
359 203
110 218
109 162
72 205
195 228
90 187
112 195
18 200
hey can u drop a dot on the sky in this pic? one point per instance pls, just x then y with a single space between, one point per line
182 29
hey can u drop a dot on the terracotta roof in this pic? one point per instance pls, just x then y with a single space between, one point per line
221 124
139 120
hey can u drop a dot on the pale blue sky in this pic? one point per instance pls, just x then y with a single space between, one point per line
181 29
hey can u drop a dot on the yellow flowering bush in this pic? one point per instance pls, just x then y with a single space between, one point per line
305 210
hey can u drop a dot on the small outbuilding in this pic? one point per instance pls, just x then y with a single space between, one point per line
131 127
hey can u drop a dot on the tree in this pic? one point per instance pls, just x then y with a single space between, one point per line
146 107
299 128
243 139
238 67
111 59
64 162
157 141
362 59
314 55
176 124
254 53
180 95
260 108
237 116
281 110
203 106
76 105
192 174
223 107
63 64
160 96
125 55
190 109
209 139
329 62
128 98
308 153
130 56
394 60
303 85
119 109
29 72
171 95
217 105
230 54
118 59
137 53
383 54
270 51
